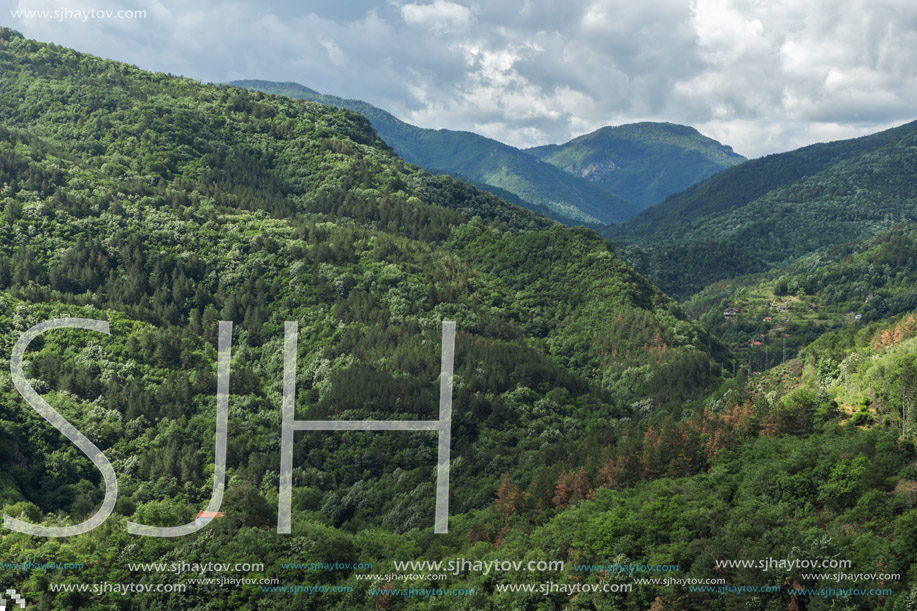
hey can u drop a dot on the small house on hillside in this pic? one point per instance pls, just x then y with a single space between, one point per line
730 312
204 517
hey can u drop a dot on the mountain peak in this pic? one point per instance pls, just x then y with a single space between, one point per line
663 126
642 162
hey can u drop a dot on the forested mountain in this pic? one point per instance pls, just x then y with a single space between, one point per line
735 187
164 206
593 422
541 185
782 311
767 212
641 162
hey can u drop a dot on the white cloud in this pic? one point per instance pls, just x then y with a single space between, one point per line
335 54
438 15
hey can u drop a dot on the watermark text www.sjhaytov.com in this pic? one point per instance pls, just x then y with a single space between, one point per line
39 566
62 14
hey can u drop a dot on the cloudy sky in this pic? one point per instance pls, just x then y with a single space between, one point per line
761 75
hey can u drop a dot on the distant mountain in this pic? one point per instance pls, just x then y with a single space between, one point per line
767 212
165 205
591 420
540 185
641 162
737 186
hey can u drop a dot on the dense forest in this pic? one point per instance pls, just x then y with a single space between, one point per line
595 422
495 166
641 162
785 309
765 213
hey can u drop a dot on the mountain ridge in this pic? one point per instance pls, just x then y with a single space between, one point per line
662 158
735 187
480 158
764 213
643 162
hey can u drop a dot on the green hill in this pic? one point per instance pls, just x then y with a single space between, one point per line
484 160
846 286
767 212
641 162
737 186
164 206
593 423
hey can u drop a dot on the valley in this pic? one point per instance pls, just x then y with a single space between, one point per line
607 411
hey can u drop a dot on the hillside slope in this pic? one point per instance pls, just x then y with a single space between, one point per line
735 187
592 422
482 159
164 206
846 286
641 162
765 213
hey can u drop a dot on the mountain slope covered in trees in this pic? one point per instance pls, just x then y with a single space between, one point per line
594 423
641 162
165 206
492 163
781 311
767 212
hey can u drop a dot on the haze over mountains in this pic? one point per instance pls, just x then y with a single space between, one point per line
603 177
